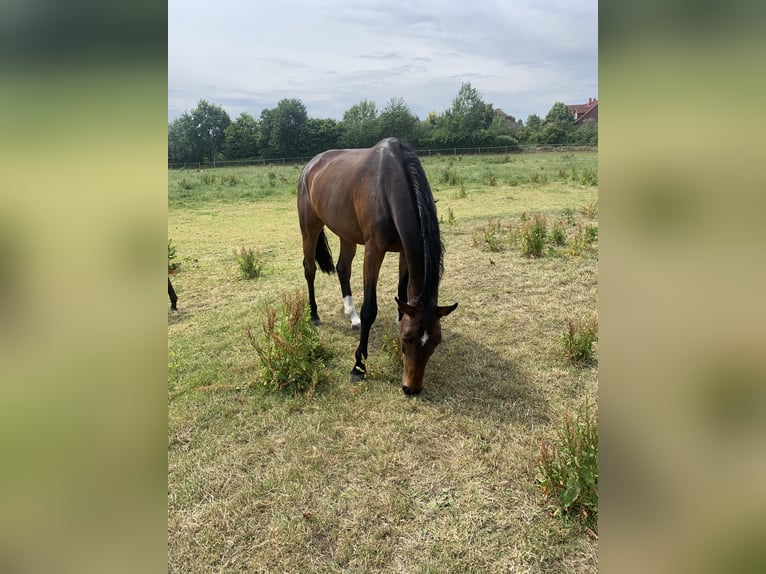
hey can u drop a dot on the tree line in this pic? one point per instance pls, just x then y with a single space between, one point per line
207 133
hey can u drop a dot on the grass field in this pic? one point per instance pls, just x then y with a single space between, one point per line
358 477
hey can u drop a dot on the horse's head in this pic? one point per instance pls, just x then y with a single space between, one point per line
417 342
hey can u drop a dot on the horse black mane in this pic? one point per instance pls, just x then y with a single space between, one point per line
433 248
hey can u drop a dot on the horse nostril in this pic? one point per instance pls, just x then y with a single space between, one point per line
409 392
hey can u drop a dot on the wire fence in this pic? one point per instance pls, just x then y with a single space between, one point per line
488 150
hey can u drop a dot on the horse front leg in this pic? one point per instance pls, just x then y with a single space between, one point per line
372 262
347 252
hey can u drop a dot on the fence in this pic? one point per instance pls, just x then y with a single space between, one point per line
497 150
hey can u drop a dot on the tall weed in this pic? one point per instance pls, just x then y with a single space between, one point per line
289 351
578 339
558 235
490 236
534 232
250 262
569 466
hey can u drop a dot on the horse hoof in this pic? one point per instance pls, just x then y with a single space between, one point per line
357 377
356 326
316 322
409 392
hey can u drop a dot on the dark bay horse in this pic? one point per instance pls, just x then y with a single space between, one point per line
378 197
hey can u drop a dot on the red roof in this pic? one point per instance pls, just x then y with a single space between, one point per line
583 112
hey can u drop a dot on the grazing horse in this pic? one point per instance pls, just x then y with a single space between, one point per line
378 197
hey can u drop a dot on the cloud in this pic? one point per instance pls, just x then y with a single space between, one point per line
522 56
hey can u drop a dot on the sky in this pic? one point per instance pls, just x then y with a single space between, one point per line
247 55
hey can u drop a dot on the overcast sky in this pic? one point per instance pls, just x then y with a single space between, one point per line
247 55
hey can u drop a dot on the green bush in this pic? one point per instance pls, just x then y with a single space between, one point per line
569 466
591 234
289 351
534 232
250 263
589 176
558 235
490 236
578 339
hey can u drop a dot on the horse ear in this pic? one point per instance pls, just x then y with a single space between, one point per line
444 311
405 308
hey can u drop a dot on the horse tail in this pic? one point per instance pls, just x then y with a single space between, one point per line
433 248
324 255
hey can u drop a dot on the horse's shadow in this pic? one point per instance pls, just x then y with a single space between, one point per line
463 377
469 378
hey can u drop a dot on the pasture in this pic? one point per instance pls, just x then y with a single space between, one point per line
358 477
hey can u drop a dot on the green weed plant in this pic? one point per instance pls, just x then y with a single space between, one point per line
489 237
569 466
250 262
558 235
289 351
534 233
578 338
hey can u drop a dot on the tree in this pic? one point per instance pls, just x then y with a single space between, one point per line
585 133
180 134
321 135
282 129
502 131
531 132
360 125
241 138
209 124
468 115
558 125
397 120
560 114
552 133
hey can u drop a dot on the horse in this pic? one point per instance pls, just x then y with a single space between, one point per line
173 296
378 197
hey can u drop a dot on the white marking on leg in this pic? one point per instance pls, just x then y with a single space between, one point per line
424 339
350 311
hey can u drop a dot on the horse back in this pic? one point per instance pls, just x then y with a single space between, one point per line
354 191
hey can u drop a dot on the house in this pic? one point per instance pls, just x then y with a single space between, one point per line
584 112
508 118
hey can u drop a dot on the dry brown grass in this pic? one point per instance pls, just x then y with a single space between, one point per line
360 478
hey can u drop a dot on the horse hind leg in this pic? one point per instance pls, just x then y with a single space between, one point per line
310 270
347 252
173 296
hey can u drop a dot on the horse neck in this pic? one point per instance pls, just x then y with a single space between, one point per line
415 289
